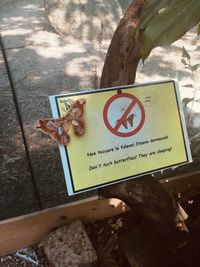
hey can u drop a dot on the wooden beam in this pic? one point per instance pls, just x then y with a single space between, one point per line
24 231
184 183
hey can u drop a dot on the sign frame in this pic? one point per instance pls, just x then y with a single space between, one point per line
64 151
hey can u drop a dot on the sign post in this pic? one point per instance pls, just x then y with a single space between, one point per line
130 131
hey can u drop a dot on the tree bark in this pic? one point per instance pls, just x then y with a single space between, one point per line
144 195
123 54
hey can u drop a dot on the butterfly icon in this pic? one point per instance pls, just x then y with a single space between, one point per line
128 121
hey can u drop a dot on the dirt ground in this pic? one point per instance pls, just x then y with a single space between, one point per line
43 63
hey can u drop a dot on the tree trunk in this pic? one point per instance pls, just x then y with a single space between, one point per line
123 54
144 195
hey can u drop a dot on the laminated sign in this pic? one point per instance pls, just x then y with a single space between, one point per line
130 131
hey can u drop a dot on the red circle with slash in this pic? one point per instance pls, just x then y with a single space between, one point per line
115 129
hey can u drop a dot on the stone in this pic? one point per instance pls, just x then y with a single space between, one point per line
84 20
70 246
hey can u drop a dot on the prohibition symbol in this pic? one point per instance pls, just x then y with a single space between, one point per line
124 115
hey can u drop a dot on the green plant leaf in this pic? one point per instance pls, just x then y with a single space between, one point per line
150 9
169 24
185 53
195 67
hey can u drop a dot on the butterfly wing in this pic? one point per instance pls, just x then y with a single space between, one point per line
78 121
54 128
58 128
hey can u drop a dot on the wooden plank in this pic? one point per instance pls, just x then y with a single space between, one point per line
27 230
183 184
